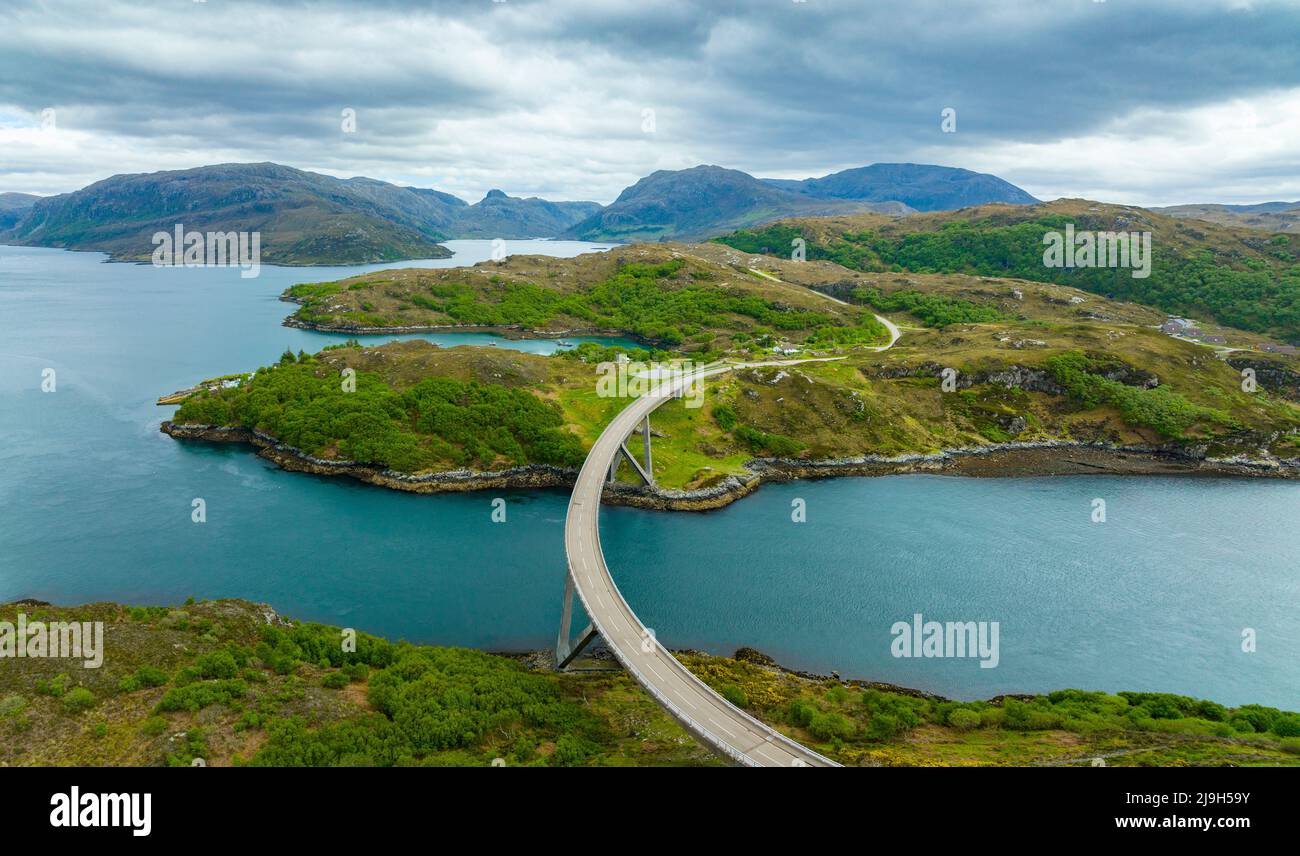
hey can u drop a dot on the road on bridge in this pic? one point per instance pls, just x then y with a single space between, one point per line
703 712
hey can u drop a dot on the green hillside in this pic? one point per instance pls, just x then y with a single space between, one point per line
1030 362
228 682
1240 278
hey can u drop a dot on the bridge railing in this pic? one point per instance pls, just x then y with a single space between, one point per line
794 747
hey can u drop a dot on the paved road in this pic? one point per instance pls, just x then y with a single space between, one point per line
703 712
894 332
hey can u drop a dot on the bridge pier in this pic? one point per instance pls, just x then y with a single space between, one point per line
649 474
567 649
644 471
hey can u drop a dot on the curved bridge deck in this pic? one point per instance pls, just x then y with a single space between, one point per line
707 715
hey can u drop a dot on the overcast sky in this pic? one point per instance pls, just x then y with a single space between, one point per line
1150 102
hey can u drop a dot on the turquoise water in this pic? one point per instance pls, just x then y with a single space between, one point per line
95 505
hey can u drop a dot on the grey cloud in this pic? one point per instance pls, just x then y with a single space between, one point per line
547 94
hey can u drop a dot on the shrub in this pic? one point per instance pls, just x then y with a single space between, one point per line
1287 725
194 697
932 310
12 704
440 704
78 699
335 680
1160 408
145 676
777 445
733 694
55 686
217 664
800 711
1260 718
828 726
153 726
964 719
571 750
883 726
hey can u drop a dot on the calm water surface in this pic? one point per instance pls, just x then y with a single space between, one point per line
95 505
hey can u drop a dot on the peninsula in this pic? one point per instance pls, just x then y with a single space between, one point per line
987 375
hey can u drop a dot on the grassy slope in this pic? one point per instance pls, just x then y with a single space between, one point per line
1238 277
302 701
868 402
669 295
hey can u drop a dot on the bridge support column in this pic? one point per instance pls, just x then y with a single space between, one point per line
645 472
645 437
566 649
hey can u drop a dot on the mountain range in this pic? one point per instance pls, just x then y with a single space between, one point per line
704 201
309 218
303 217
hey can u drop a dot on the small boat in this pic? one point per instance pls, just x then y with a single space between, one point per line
564 344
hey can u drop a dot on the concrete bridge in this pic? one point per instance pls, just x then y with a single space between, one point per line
708 716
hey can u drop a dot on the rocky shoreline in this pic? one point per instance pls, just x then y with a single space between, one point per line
1030 458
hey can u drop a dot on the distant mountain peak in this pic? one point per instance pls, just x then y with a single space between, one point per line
924 187
703 201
